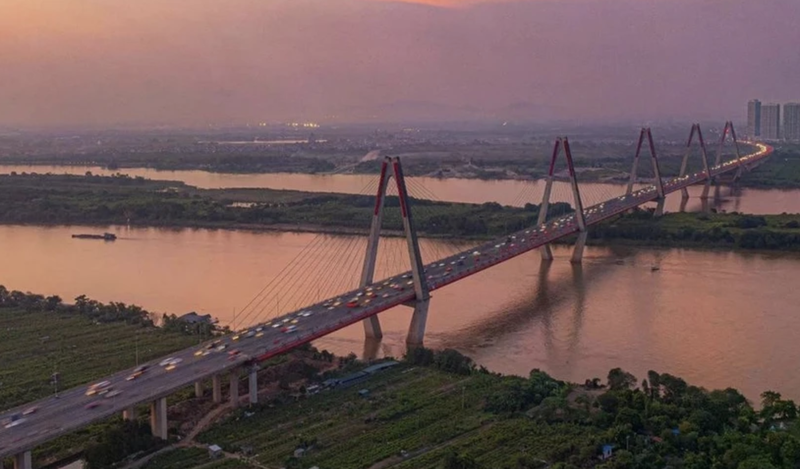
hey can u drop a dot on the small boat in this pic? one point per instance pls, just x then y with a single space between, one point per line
104 236
654 268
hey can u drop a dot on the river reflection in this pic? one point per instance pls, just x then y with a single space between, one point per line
717 319
756 201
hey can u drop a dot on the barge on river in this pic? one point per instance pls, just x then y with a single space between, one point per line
104 236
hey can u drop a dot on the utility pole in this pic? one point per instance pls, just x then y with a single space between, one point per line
137 348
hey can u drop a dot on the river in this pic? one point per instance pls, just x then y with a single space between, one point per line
506 192
717 319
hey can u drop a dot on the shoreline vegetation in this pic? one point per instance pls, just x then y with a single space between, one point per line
480 162
91 200
432 410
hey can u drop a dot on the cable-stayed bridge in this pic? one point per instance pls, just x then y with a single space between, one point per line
315 313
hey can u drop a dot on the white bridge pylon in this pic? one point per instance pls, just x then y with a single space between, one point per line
391 168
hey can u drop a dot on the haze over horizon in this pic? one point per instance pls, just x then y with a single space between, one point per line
194 62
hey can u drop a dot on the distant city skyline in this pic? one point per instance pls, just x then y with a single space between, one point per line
200 62
773 121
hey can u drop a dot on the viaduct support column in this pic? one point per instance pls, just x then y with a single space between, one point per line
129 413
253 383
234 389
198 389
158 418
216 386
23 461
416 330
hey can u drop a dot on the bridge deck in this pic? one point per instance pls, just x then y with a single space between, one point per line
55 417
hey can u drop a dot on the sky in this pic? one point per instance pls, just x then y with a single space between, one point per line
197 62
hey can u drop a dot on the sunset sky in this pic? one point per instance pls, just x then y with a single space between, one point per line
212 61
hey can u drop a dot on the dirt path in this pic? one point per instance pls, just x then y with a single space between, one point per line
204 423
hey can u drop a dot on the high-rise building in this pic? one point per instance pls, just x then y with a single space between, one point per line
771 121
754 118
791 121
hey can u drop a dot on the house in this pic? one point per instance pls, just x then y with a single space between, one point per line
607 451
380 366
194 318
363 392
313 389
214 451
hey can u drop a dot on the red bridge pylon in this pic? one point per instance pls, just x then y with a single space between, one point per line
577 253
372 327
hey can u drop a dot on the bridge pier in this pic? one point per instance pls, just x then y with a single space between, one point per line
158 418
252 381
372 328
129 413
198 389
659 207
419 319
216 389
577 251
23 460
234 381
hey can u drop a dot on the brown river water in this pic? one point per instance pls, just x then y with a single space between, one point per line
717 319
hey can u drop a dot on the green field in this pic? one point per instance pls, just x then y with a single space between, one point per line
707 230
419 410
36 343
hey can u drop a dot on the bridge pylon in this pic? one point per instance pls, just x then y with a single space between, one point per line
646 133
577 253
703 155
391 168
729 128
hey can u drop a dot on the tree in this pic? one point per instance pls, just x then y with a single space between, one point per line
459 461
619 379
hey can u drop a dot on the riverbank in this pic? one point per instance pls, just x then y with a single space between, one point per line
436 410
437 407
120 200
596 162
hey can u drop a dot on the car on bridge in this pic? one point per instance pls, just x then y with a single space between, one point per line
97 388
14 421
